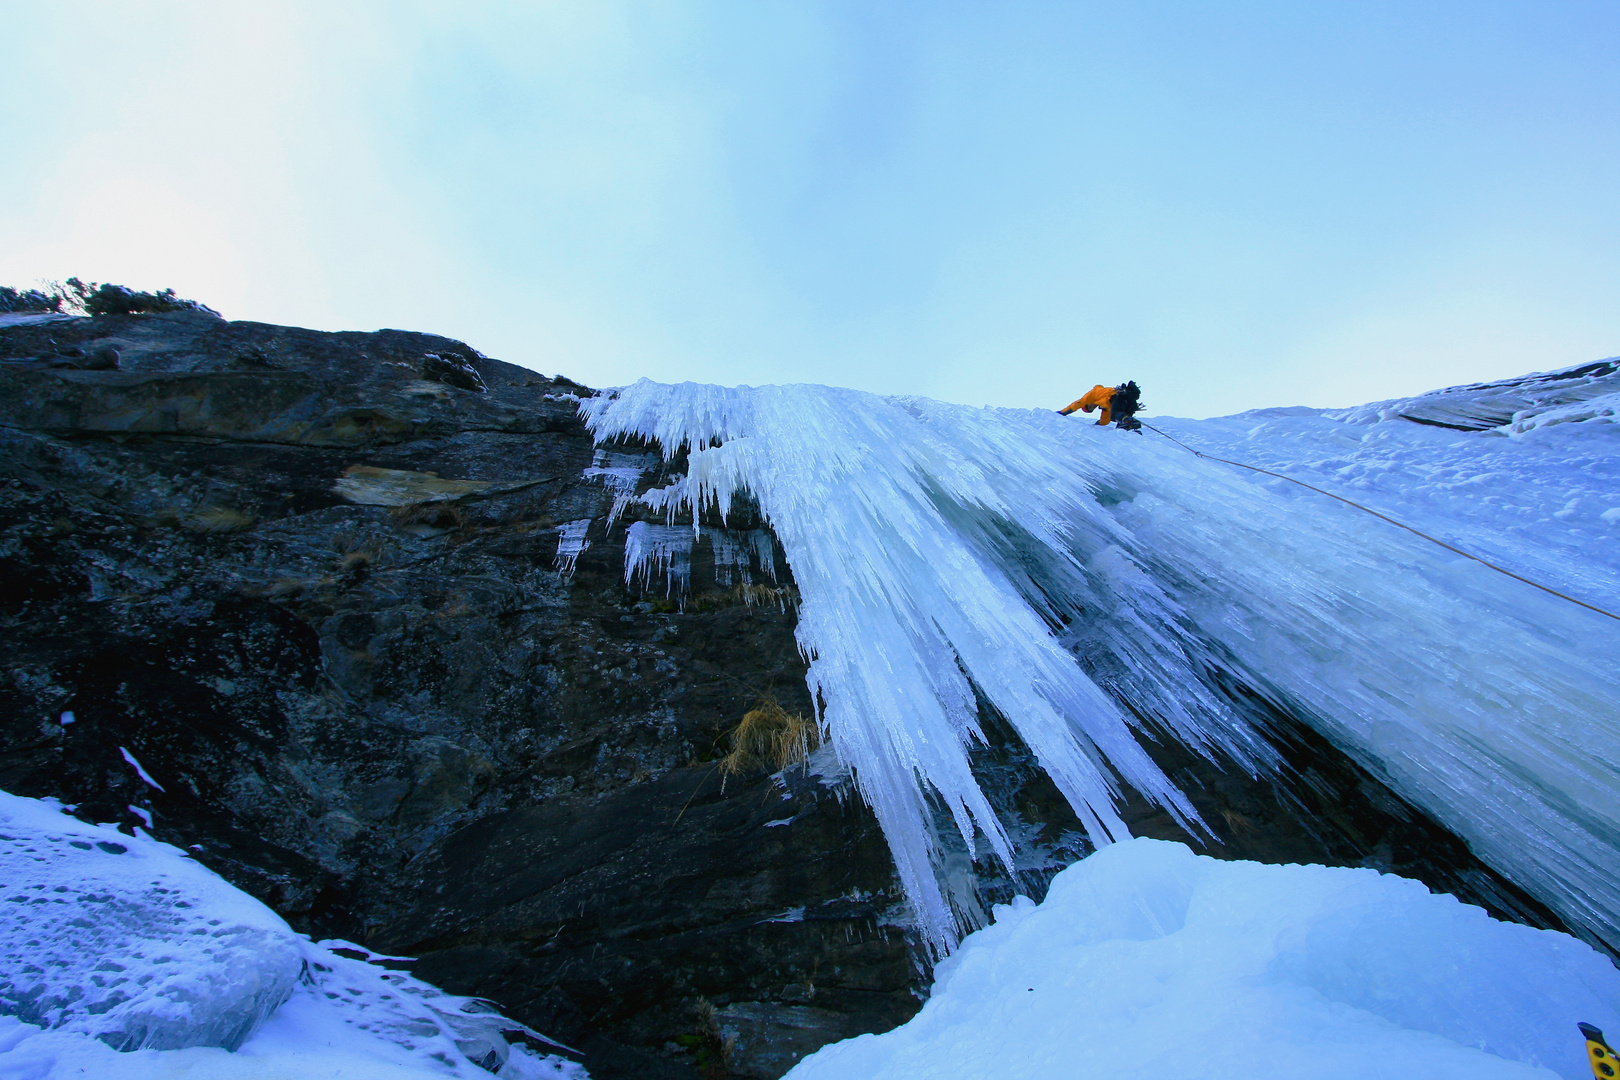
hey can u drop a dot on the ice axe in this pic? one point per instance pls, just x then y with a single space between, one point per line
1601 1055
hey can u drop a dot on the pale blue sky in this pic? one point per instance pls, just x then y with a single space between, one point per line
1235 204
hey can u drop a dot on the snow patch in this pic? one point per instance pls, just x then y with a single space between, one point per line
142 773
126 940
24 318
122 957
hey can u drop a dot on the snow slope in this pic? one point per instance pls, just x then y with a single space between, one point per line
946 554
1146 961
120 957
1538 489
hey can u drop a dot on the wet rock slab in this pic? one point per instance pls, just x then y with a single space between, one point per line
635 912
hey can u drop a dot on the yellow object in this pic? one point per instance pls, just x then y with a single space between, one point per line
1605 1066
1098 397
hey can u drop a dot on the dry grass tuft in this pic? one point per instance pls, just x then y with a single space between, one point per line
218 520
783 599
355 554
713 1049
433 515
286 587
769 738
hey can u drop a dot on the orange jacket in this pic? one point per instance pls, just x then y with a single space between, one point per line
1098 397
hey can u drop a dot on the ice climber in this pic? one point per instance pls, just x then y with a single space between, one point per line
1116 402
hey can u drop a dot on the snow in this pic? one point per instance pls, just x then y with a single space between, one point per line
1053 568
1146 960
1534 493
1553 397
121 957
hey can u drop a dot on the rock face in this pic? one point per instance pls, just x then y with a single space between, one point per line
309 581
351 603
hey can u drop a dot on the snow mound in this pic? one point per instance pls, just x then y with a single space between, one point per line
28 318
1146 960
123 958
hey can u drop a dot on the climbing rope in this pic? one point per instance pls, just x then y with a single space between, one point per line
1392 521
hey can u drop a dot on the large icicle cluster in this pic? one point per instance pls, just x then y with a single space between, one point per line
906 549
949 557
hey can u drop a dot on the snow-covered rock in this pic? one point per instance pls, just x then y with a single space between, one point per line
1500 405
119 938
120 957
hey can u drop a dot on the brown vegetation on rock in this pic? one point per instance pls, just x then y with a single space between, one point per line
770 738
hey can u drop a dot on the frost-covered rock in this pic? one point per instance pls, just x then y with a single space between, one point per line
1146 961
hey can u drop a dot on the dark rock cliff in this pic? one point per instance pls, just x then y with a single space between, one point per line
311 582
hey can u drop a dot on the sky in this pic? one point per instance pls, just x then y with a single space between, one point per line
1238 205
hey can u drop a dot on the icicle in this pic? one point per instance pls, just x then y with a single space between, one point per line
620 474
739 552
900 618
663 549
571 543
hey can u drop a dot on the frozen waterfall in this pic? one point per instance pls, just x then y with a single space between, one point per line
950 557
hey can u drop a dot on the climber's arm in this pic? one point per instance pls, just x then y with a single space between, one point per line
1096 396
